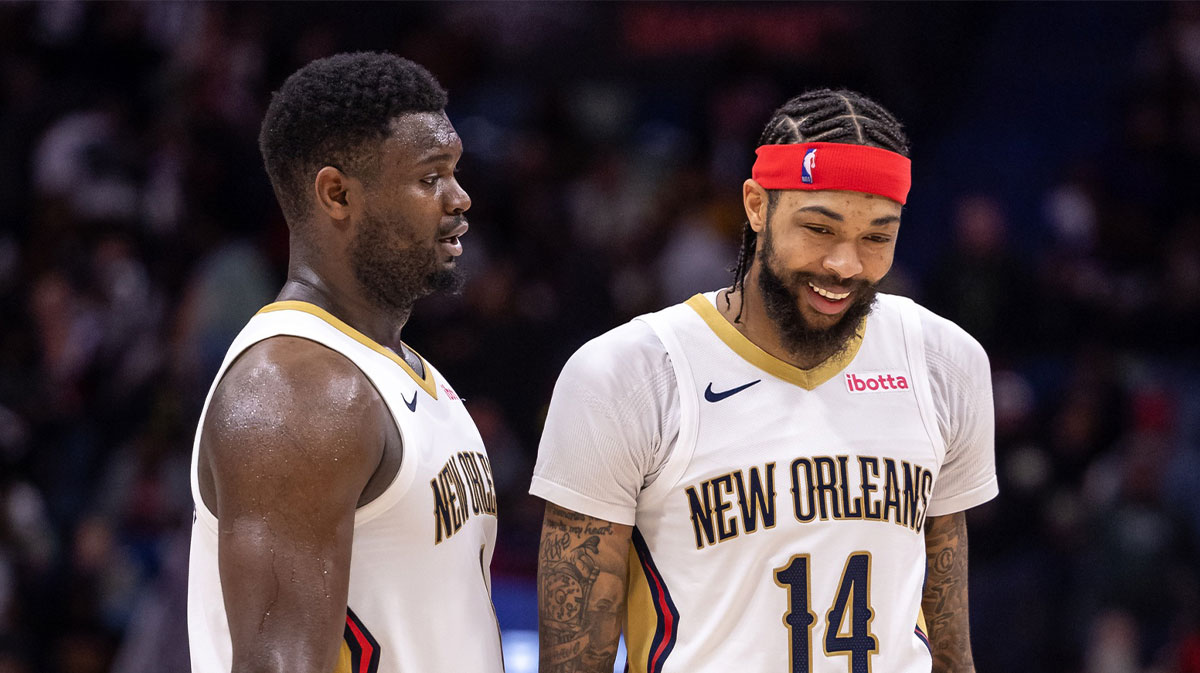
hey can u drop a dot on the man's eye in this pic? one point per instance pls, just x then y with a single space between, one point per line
878 239
430 179
817 229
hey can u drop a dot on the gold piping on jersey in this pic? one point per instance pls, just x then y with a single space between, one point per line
651 618
344 658
425 382
640 618
360 651
921 631
808 379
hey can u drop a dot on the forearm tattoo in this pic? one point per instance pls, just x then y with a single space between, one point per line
945 598
581 593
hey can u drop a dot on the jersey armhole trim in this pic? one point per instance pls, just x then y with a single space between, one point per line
914 346
203 514
404 476
392 493
426 382
689 410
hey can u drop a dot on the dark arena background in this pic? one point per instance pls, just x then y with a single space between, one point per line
1055 214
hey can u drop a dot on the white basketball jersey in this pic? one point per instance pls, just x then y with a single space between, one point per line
420 585
785 531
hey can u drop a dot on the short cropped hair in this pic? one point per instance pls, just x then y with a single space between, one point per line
332 112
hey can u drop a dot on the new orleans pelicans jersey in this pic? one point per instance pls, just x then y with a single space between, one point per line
419 596
783 531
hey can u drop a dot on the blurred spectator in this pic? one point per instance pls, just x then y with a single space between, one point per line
981 285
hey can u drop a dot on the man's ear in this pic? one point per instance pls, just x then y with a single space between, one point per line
755 201
334 190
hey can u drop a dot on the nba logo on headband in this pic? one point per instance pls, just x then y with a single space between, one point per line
810 162
854 168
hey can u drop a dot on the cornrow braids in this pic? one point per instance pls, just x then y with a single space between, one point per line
821 115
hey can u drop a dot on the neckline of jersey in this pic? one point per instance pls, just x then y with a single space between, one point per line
425 382
749 351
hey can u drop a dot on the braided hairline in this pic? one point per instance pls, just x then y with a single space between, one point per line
822 115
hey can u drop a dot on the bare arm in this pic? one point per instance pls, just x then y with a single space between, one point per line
581 591
945 599
291 438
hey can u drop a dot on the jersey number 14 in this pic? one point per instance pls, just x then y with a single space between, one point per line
847 623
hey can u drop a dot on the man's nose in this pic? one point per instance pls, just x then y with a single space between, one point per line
458 201
843 260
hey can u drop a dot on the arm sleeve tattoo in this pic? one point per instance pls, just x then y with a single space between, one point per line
945 599
581 591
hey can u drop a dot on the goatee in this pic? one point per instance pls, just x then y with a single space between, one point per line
395 277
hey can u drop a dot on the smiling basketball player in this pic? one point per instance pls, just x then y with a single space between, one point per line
773 476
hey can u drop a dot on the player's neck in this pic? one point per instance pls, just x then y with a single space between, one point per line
757 326
343 299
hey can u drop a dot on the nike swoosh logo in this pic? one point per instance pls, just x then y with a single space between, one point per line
412 406
717 397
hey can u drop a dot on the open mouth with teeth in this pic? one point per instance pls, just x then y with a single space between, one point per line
832 296
827 301
451 245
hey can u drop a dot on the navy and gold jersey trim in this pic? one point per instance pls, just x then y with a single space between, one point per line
649 600
360 650
920 629
750 352
426 382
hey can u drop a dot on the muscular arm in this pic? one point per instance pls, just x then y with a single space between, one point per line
291 438
945 600
581 591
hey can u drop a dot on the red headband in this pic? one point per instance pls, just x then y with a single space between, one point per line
855 168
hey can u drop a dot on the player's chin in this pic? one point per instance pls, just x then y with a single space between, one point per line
445 262
820 319
821 322
447 279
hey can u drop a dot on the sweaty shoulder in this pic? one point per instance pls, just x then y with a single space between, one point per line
288 404
288 377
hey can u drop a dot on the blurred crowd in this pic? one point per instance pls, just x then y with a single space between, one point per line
1056 156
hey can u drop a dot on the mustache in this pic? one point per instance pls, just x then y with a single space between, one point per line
455 223
799 278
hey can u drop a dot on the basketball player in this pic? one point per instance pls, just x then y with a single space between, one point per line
772 477
345 513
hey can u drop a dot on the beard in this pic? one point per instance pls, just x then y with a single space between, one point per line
781 300
394 275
